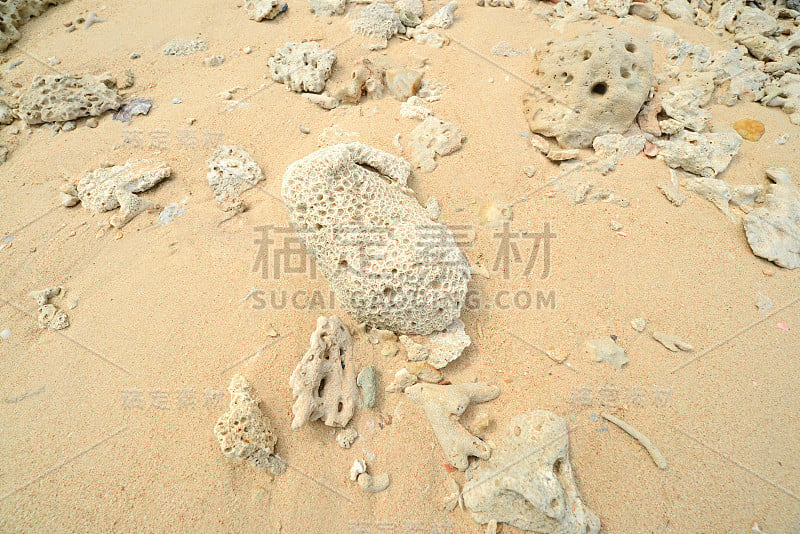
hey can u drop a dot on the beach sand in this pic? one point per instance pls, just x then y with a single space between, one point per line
120 437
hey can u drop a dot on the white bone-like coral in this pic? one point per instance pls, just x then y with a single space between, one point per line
324 382
444 404
244 432
528 482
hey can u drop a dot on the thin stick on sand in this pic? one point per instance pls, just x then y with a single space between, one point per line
655 454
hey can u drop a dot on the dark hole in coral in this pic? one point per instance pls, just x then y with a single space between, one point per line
599 88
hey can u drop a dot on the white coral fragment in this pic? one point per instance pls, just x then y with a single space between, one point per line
324 382
444 404
244 432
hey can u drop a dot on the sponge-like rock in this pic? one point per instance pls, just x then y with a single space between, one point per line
60 97
388 263
302 67
593 85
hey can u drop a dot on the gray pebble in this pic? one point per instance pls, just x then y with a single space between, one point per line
368 383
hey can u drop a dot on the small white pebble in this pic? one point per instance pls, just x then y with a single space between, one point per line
53 60
135 55
247 50
91 122
5 334
176 100
616 225
304 130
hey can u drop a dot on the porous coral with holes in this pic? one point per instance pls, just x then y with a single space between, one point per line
590 86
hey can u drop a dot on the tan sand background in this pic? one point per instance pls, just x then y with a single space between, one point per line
161 315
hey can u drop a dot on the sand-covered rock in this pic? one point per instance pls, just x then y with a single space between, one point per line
388 263
302 67
704 154
259 10
773 230
61 97
97 188
589 86
378 23
244 432
231 172
184 47
327 8
528 481
432 138
324 382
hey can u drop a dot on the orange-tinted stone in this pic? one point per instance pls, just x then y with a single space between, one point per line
749 129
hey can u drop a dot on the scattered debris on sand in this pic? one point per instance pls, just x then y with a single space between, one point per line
655 454
184 47
528 481
672 342
441 348
244 432
324 382
134 106
607 350
346 437
49 315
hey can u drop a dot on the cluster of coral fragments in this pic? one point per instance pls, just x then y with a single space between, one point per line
595 99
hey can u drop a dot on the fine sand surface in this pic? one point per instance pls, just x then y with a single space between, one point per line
120 437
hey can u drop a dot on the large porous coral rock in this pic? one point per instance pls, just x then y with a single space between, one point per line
324 382
15 13
592 85
773 231
528 482
388 263
444 404
244 432
61 97
378 23
302 67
